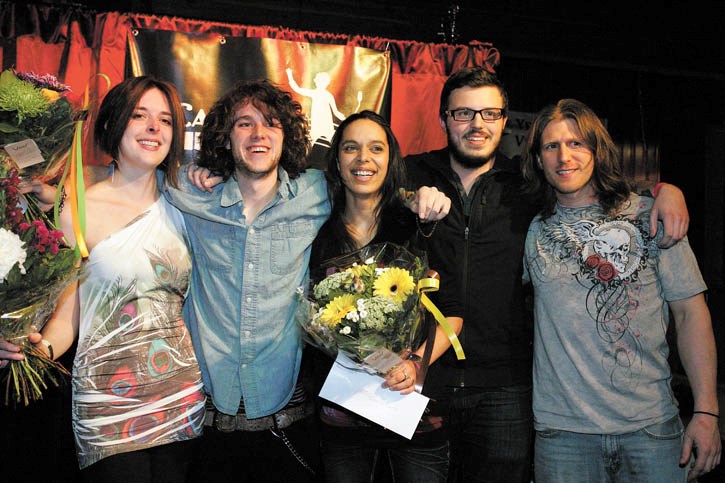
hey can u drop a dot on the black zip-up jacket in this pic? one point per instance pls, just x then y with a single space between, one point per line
479 247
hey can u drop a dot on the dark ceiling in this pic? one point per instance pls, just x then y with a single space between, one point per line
673 38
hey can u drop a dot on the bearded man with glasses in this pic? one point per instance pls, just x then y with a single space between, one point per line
485 400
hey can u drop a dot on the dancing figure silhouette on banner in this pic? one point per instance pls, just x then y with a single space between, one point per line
324 107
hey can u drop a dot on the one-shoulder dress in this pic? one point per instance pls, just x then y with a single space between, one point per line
136 382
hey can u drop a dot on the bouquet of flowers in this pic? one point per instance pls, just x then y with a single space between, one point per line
367 306
36 122
35 265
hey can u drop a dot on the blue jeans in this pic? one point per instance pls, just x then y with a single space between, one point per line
649 455
357 462
490 432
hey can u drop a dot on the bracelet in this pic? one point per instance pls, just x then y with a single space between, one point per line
50 348
420 230
657 187
415 359
61 202
717 416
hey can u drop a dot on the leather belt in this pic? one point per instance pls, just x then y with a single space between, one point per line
283 418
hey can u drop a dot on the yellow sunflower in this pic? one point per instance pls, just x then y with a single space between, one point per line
395 283
338 308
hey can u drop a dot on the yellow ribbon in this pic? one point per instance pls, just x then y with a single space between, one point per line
432 285
76 183
78 187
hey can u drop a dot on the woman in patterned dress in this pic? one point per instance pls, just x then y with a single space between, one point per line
137 390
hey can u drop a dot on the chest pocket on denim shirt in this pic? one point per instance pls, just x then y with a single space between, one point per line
289 242
217 254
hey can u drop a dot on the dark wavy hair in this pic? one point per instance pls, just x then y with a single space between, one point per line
394 179
117 108
610 185
274 104
471 77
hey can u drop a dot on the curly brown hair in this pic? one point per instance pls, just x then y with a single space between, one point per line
275 104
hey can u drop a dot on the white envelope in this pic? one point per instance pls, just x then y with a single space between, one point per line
364 394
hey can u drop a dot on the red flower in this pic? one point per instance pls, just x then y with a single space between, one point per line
593 261
606 272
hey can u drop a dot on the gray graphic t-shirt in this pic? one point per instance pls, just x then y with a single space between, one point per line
601 286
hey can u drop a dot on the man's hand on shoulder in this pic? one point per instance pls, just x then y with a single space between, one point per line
428 203
202 178
670 208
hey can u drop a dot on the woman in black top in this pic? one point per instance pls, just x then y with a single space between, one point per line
364 173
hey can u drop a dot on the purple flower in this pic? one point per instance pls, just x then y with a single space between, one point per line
47 81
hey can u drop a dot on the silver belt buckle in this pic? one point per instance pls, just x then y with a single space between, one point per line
283 419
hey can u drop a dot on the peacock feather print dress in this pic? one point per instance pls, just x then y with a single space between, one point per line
136 382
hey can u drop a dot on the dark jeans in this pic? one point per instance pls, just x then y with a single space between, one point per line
257 456
491 434
166 463
356 459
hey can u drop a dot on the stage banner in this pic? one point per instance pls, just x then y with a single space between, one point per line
514 136
329 81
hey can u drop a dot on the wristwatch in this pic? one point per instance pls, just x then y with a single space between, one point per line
50 348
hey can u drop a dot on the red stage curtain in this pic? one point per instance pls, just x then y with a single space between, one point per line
76 44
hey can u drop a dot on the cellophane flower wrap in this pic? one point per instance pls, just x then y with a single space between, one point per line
368 306
35 264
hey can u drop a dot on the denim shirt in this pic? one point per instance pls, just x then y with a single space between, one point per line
242 297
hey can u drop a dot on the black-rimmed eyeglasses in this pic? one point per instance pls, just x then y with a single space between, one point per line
488 114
